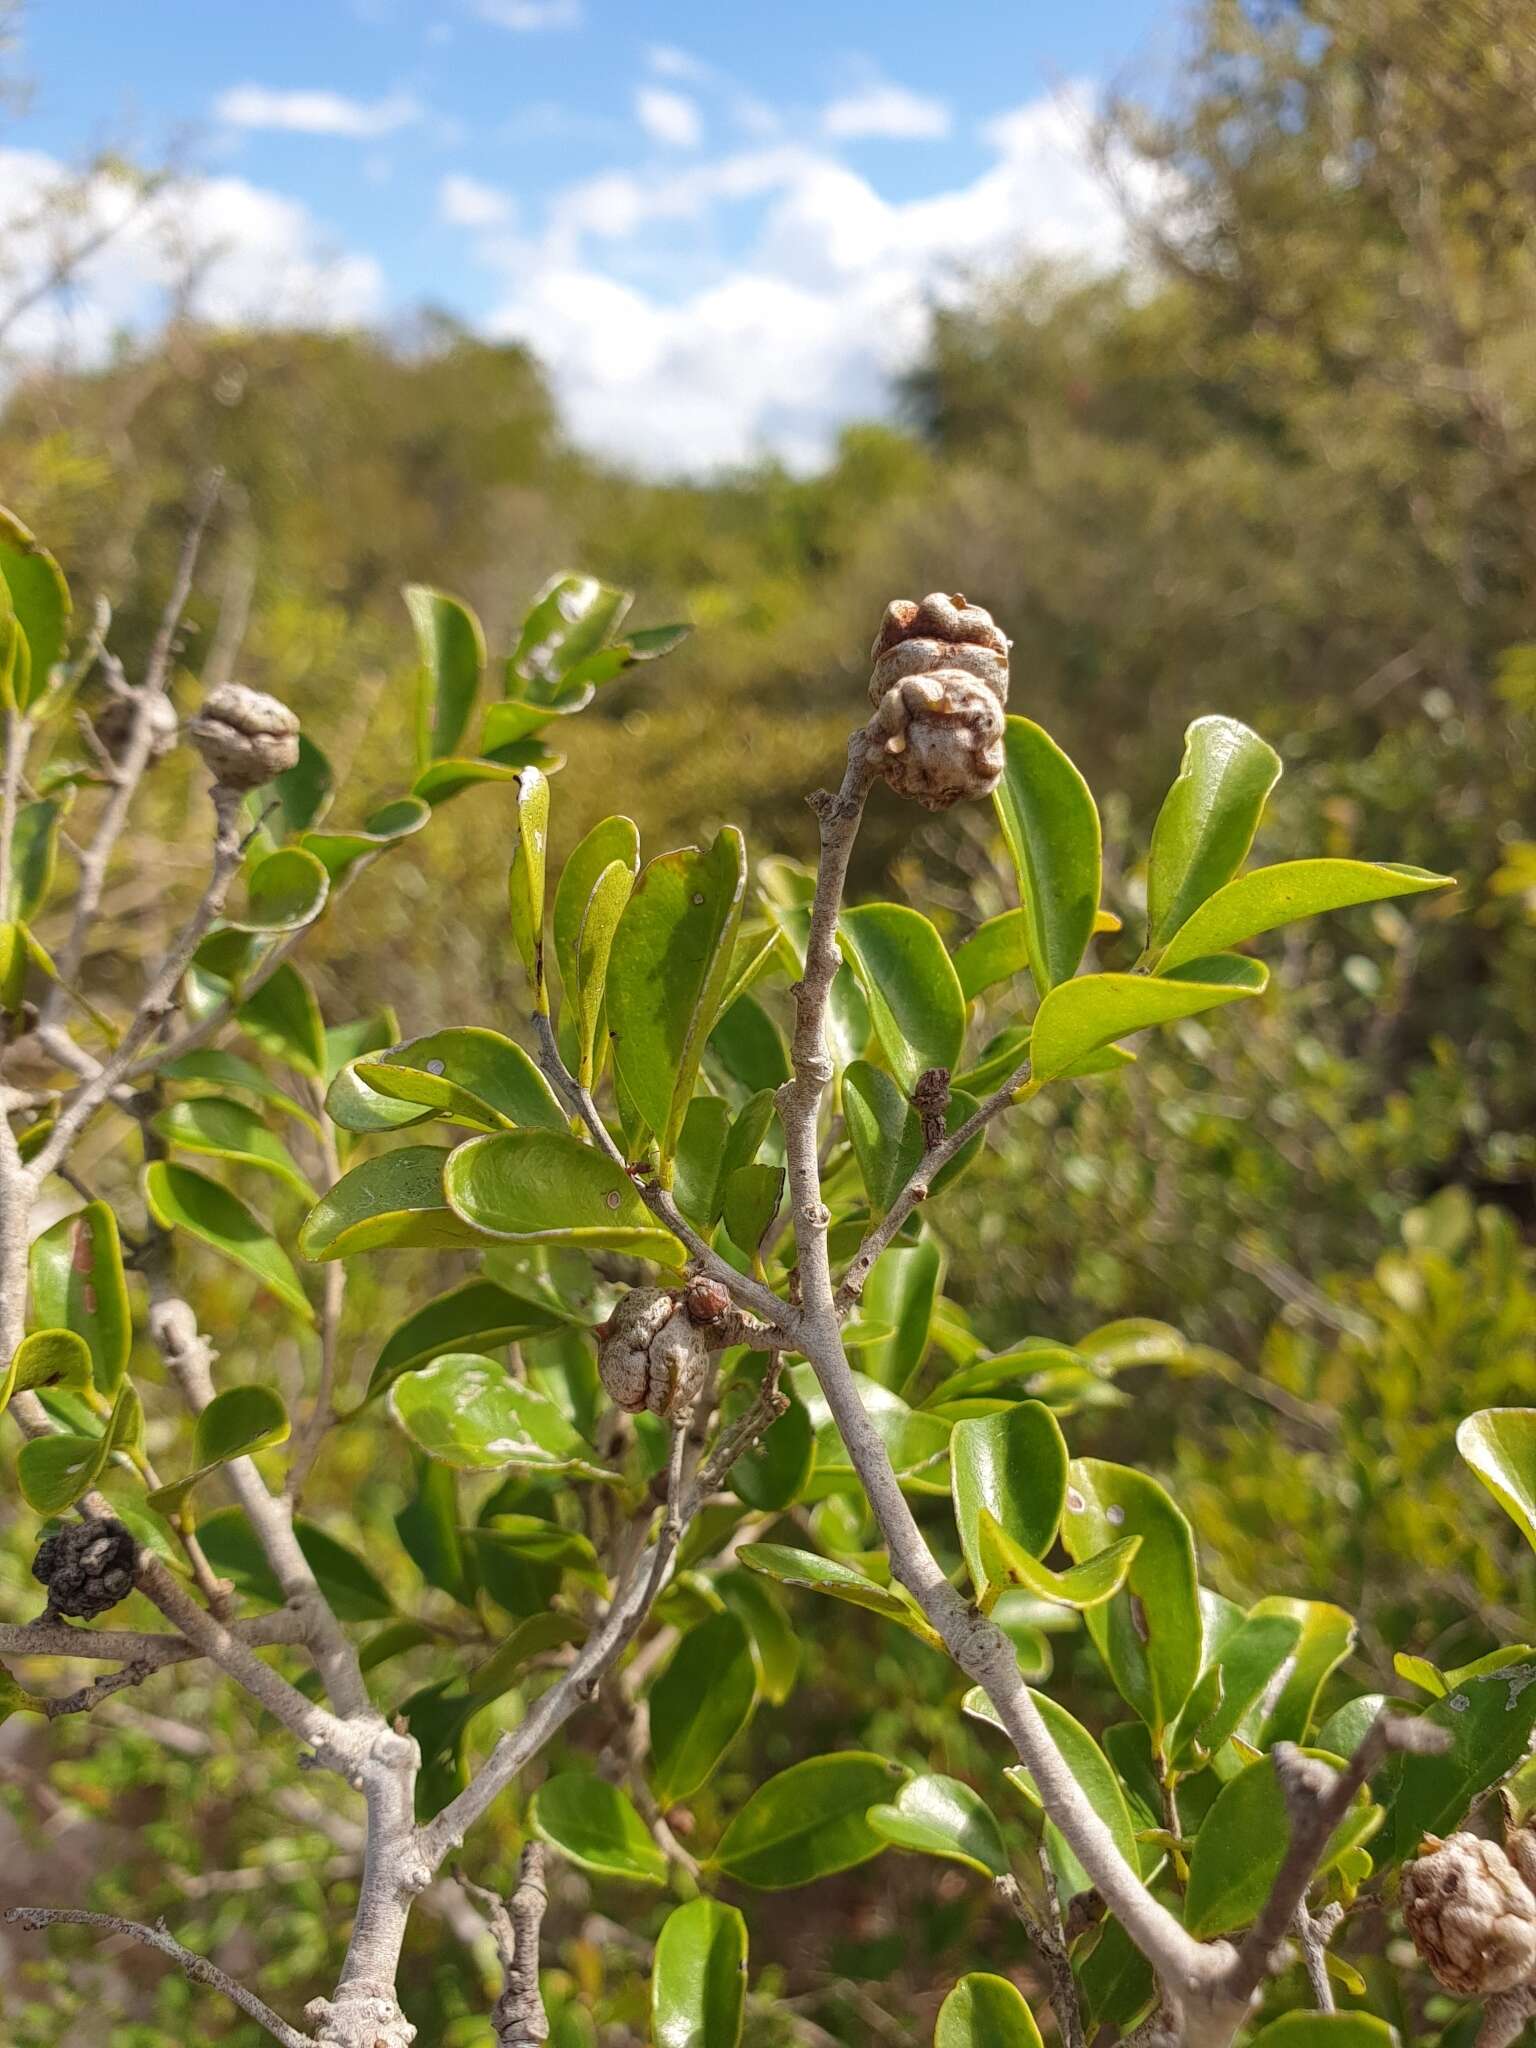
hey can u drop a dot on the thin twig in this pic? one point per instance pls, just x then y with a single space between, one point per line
518 2017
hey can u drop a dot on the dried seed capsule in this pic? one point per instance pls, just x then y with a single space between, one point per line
245 736
114 728
941 737
940 633
1471 1915
651 1355
87 1567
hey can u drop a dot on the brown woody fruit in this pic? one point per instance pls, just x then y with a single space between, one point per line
708 1302
114 728
940 737
1471 1915
650 1354
87 1566
940 633
244 736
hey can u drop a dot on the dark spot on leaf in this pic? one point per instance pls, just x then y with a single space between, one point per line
1139 1618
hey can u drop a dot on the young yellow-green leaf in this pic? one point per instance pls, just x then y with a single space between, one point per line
1151 1634
476 1077
1095 1777
939 1816
452 650
1051 825
53 1471
229 1130
38 600
594 950
1013 1465
1488 1720
699 1706
396 1199
546 1187
78 1284
285 891
1500 1446
699 1978
1242 1843
180 1199
915 1002
48 1358
613 839
467 1411
1292 889
594 1825
480 1315
1207 823
525 881
1326 1639
284 1019
808 1822
840 1581
236 1424
985 2012
669 963
1326 2030
1082 1015
1005 1562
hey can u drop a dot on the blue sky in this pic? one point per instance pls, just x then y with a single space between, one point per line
721 226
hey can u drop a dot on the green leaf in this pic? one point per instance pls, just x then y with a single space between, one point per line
916 1442
594 951
353 1106
428 1528
939 1816
228 1130
1327 1637
900 1295
236 1424
234 1550
985 2012
1014 1466
1051 825
1242 1843
302 793
48 1358
1207 822
916 1006
752 1198
593 1824
1151 1634
478 1316
180 1199
747 1044
775 1645
444 780
285 891
1010 1371
1005 1562
840 1582
613 840
229 1070
546 1187
284 1019
699 1706
466 1411
1247 1661
1082 1015
1500 1446
1326 2030
1292 889
396 1199
807 1822
39 602
571 620
474 1076
774 1472
1489 1720
452 650
996 951
340 852
54 1471
78 1284
670 960
699 1978
699 1183
525 881
35 850
887 1134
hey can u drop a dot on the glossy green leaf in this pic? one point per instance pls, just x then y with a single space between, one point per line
1489 1720
396 1199
465 1410
571 620
699 1183
775 1645
751 1202
340 852
301 793
1082 1015
840 1582
807 1822
1247 1662
1242 1843
479 1078
669 963
1326 1639
1151 1634
525 881
228 1070
1272 896
915 1003
35 847
1096 1779
1326 2030
284 1019
887 1134
451 647
699 1978
54 1471
996 951
774 1472
594 1825
1014 1466
1207 822
1008 1371
229 1130
985 2012
234 1550
916 1442
48 1358
284 892
546 1187
353 1106
236 1424
699 1706
78 1284
612 840
1500 1446
1005 1562
594 951
1051 826
180 1199
429 1532
748 1045
939 1816
900 1295
480 1315
38 600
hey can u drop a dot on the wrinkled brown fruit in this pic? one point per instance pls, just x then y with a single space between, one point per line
1471 1915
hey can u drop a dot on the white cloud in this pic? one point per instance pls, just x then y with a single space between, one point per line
889 113
315 113
669 117
467 203
527 16
667 61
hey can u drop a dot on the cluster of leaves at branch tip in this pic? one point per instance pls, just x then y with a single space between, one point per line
939 687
